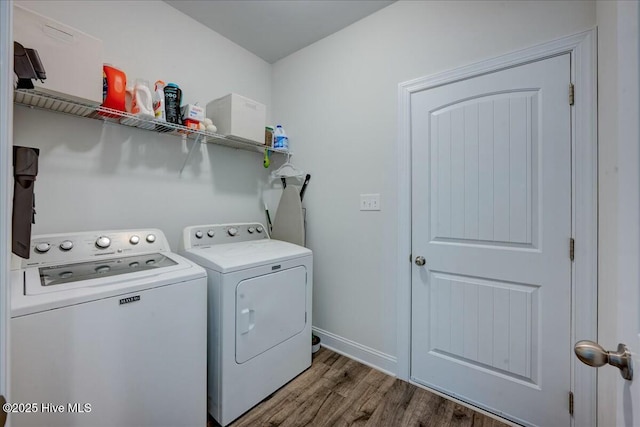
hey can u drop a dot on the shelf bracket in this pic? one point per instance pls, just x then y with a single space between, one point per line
193 146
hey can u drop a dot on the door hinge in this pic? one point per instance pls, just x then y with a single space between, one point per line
410 258
572 91
570 403
572 248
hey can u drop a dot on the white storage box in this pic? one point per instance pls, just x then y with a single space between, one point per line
238 117
72 59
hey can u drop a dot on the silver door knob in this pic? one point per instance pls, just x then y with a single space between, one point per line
420 261
592 354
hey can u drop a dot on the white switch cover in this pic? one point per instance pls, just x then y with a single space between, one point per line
370 202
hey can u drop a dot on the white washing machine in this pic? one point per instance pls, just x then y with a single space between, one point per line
107 329
259 313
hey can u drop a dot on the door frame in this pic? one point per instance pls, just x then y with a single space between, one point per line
584 178
6 180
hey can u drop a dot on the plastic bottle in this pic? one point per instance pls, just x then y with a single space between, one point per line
158 101
114 84
142 104
172 100
281 141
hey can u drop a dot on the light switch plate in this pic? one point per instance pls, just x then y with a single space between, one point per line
370 202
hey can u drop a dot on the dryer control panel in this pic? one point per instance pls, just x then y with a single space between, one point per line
219 234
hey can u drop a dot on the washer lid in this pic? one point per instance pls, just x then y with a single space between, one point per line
53 275
30 295
230 257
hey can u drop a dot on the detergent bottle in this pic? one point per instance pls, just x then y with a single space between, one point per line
281 141
114 83
172 100
141 100
158 101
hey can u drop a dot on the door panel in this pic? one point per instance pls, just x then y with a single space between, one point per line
482 187
483 323
270 309
491 213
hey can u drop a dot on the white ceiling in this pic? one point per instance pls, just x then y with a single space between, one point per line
273 29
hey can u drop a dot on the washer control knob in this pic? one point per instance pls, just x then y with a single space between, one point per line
199 234
210 233
151 238
66 245
103 269
103 242
43 247
259 229
251 230
134 240
232 231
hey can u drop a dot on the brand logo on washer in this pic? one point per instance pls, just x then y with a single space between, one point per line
129 299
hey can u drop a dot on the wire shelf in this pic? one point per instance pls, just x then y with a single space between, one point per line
42 100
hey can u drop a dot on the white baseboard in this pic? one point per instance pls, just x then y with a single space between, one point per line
361 353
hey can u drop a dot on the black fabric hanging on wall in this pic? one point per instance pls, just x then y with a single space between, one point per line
25 169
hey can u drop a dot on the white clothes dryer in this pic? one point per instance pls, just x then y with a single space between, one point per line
107 329
259 313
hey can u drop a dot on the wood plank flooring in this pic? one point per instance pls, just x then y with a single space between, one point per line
337 391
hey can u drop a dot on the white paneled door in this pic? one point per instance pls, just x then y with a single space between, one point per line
628 309
491 219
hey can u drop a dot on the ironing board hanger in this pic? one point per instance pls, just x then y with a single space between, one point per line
288 170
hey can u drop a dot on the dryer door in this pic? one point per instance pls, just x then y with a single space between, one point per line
269 310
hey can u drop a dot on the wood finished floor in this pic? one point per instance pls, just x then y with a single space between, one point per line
337 391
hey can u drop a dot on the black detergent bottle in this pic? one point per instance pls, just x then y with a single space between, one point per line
172 101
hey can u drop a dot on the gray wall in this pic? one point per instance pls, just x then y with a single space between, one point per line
618 232
339 97
95 176
338 102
